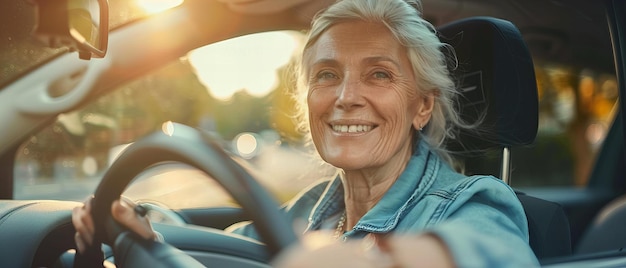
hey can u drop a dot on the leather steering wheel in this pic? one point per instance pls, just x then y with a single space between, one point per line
184 144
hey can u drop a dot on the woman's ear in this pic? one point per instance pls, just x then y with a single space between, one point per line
424 111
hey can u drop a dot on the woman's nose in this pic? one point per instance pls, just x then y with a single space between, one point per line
349 94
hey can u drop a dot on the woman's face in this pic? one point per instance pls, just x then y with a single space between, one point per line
362 97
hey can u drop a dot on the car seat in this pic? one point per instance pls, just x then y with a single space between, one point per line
606 232
498 89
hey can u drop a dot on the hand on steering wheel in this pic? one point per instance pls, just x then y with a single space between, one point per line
124 211
175 143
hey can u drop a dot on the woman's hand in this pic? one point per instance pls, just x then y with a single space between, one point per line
417 251
122 211
318 250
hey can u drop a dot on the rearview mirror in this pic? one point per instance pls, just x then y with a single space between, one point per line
80 25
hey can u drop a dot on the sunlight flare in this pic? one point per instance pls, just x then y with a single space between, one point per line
156 6
247 63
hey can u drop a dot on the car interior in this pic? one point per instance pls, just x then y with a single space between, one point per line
568 226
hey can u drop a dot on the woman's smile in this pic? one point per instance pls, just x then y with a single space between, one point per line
352 128
361 97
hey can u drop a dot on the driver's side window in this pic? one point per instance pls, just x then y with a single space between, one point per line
67 159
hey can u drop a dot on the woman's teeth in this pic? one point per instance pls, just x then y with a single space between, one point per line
351 128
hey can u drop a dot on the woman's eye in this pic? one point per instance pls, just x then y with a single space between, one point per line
381 75
326 76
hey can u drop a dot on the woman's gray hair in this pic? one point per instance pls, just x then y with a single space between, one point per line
425 52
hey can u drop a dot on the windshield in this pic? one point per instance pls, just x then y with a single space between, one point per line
20 52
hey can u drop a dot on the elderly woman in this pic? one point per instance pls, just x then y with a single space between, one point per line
379 104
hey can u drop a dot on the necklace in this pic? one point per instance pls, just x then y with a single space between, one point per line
340 224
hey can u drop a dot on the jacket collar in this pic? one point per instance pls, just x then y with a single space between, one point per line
414 181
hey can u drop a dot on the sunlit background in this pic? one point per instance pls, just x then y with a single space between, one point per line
155 6
222 67
248 63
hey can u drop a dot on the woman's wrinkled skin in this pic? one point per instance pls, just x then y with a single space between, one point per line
363 108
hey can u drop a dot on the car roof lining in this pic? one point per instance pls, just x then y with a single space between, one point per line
570 38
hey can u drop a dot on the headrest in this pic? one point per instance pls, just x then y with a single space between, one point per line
496 80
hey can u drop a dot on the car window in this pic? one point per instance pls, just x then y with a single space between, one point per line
251 119
576 109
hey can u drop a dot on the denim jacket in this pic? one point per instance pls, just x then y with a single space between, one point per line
479 218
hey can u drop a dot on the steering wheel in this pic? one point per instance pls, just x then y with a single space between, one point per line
184 144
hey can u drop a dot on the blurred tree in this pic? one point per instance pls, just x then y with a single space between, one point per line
282 111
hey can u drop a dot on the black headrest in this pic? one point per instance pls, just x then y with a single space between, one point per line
497 82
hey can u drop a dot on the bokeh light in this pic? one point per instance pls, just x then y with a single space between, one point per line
247 145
